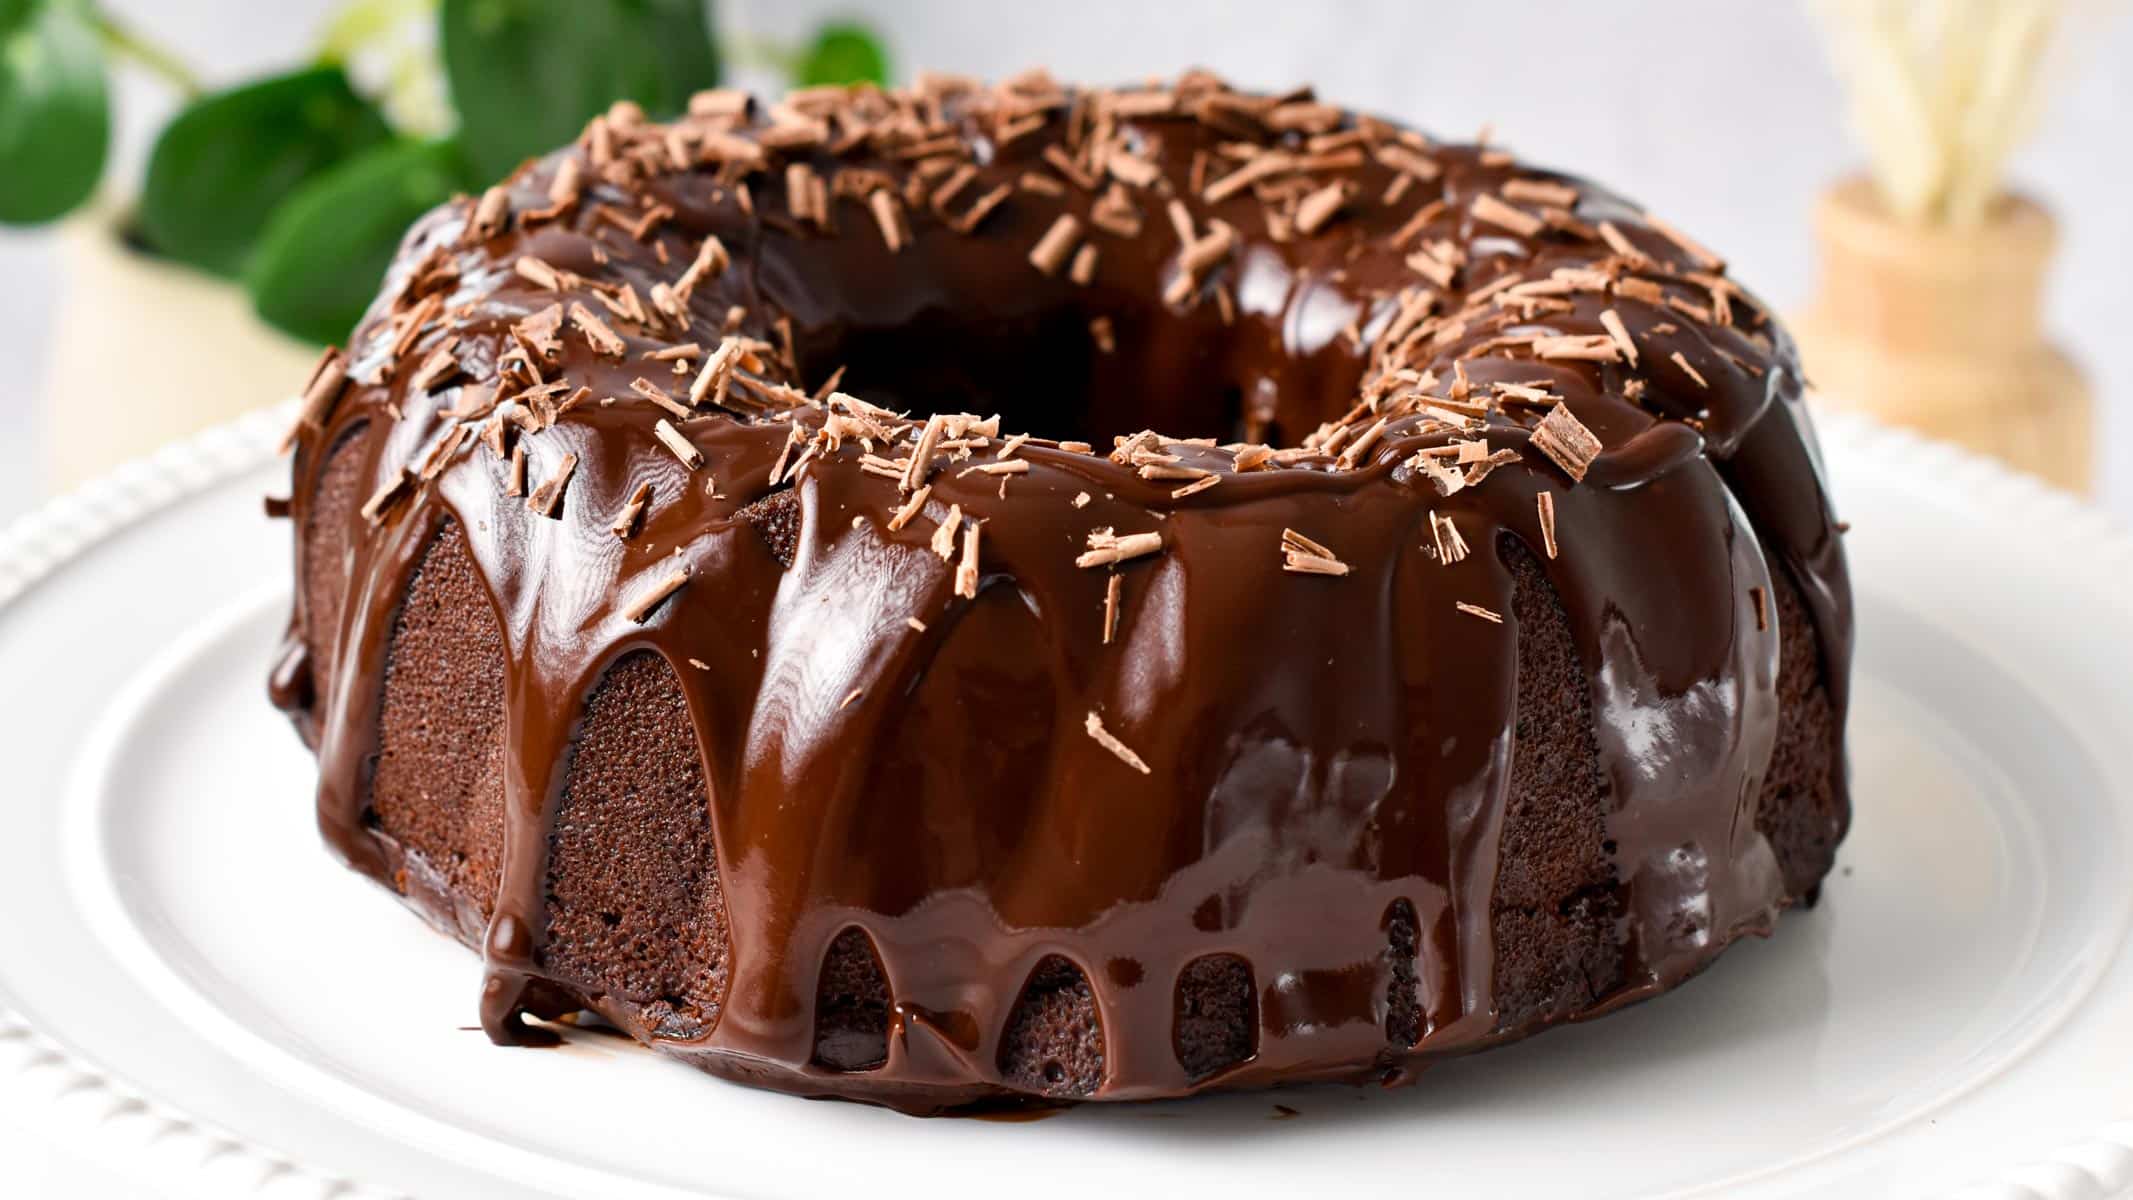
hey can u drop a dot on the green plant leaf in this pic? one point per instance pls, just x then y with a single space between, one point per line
55 115
324 251
526 75
843 54
224 163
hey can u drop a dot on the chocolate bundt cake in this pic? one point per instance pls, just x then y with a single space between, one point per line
1386 606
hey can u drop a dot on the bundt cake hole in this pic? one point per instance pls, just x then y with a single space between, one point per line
933 362
1217 1018
1053 1044
634 905
851 1005
437 787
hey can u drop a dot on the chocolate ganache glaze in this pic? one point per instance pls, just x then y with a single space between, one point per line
1468 653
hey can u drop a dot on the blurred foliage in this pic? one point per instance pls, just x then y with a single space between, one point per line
324 249
226 160
842 54
526 75
299 184
55 115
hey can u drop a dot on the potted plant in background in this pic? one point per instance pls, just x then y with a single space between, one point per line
269 211
1929 312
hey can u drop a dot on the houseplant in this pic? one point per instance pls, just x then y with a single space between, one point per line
268 211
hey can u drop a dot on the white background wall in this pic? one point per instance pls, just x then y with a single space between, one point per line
1721 113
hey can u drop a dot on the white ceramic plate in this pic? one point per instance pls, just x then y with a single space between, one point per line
195 991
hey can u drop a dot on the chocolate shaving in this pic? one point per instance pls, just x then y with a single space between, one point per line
436 366
489 215
1114 213
943 542
390 493
682 447
569 182
1265 164
441 453
1051 251
605 341
329 378
540 332
548 497
1490 209
922 454
1131 169
952 186
1566 441
1446 480
1540 191
1104 738
889 217
1106 547
1411 162
1597 347
1319 208
975 215
1306 557
717 372
651 598
658 395
1620 333
540 274
1688 370
1451 547
1083 271
633 511
910 508
711 261
966 571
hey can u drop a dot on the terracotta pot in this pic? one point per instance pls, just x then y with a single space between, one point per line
1939 330
144 351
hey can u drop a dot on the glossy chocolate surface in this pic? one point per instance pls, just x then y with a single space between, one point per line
884 752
